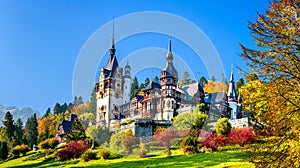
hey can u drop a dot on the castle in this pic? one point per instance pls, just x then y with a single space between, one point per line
159 101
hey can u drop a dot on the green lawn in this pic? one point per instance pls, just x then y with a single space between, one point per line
234 157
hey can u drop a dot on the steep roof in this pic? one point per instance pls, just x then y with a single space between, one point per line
216 97
152 85
67 124
191 90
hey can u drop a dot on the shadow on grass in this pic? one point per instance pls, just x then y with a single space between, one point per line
198 160
50 163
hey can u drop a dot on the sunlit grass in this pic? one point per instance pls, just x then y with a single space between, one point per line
231 157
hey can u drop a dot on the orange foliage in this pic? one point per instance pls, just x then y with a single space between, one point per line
212 86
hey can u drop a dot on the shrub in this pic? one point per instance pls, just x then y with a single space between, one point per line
223 126
72 150
104 153
213 141
241 136
20 149
188 144
188 150
142 150
123 142
89 155
49 143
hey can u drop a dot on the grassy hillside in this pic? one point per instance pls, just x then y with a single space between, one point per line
232 157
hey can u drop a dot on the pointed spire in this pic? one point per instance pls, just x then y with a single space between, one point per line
231 88
169 46
231 75
113 35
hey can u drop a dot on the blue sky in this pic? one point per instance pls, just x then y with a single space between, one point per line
40 40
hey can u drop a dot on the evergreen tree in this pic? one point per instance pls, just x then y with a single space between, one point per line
156 79
239 84
147 81
70 106
142 86
224 78
3 150
213 78
186 78
134 87
93 102
19 133
57 109
77 132
64 108
48 112
80 100
77 101
9 127
203 81
32 128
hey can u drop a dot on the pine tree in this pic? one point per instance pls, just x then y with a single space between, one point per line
19 133
147 81
77 132
203 81
238 84
186 78
3 150
156 79
213 78
32 128
224 78
57 109
9 127
93 102
48 112
134 87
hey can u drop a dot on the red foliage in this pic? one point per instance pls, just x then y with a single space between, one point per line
213 141
241 136
166 137
72 150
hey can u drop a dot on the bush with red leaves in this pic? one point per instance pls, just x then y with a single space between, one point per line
241 136
213 141
72 150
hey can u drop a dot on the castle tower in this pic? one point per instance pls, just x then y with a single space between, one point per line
109 90
126 84
232 98
169 79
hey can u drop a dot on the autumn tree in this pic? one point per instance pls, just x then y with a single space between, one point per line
275 60
212 86
99 134
46 127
